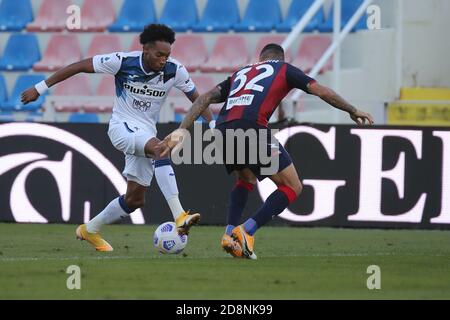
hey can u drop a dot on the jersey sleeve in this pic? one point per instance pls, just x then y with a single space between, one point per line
107 63
296 78
183 81
224 88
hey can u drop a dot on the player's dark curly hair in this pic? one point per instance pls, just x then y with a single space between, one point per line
157 32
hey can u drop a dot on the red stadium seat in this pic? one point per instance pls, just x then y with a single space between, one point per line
62 49
103 44
96 15
230 52
52 16
191 51
310 51
72 89
263 41
136 45
107 90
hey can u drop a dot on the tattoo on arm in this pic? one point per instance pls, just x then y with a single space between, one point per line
200 106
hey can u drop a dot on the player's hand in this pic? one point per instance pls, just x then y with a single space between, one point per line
361 117
173 142
29 95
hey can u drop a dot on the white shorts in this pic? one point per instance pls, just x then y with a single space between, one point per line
131 140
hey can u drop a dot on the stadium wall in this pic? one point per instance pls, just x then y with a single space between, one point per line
381 177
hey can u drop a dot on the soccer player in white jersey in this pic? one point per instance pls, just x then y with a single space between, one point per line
143 80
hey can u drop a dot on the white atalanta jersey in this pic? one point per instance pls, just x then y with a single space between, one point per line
140 95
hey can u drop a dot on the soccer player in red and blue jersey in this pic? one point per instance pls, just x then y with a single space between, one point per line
251 95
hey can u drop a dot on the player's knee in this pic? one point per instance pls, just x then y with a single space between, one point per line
134 202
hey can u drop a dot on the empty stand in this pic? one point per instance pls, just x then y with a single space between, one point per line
135 45
218 16
265 40
230 52
24 82
134 16
107 91
296 11
348 8
96 15
62 50
3 90
190 50
21 53
52 16
15 14
84 118
71 89
310 51
179 15
260 16
103 44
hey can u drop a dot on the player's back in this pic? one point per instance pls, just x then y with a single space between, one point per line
255 91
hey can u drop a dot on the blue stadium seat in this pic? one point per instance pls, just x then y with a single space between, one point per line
218 16
179 15
24 82
3 90
6 116
21 53
134 16
84 118
296 11
349 7
260 16
15 14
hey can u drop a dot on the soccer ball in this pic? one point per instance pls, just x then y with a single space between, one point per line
167 240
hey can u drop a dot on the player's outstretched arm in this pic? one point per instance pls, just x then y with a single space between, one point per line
332 98
207 114
198 107
33 93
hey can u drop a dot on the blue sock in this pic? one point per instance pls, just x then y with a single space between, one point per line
274 205
238 199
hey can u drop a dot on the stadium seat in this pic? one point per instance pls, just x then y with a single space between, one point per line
134 16
96 15
62 50
15 14
52 16
3 90
296 11
24 82
107 90
84 118
6 116
260 16
310 51
21 53
190 50
218 16
103 44
71 89
264 40
135 45
179 15
230 52
349 7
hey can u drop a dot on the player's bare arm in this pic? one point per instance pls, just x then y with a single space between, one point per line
198 107
85 66
332 98
207 114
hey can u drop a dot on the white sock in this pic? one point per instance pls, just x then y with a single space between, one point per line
112 213
168 185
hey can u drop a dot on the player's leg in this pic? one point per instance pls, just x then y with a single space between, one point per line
139 173
167 182
245 181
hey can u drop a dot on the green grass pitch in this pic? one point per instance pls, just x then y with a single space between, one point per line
293 263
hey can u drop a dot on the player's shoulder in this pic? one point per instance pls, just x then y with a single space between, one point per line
172 62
